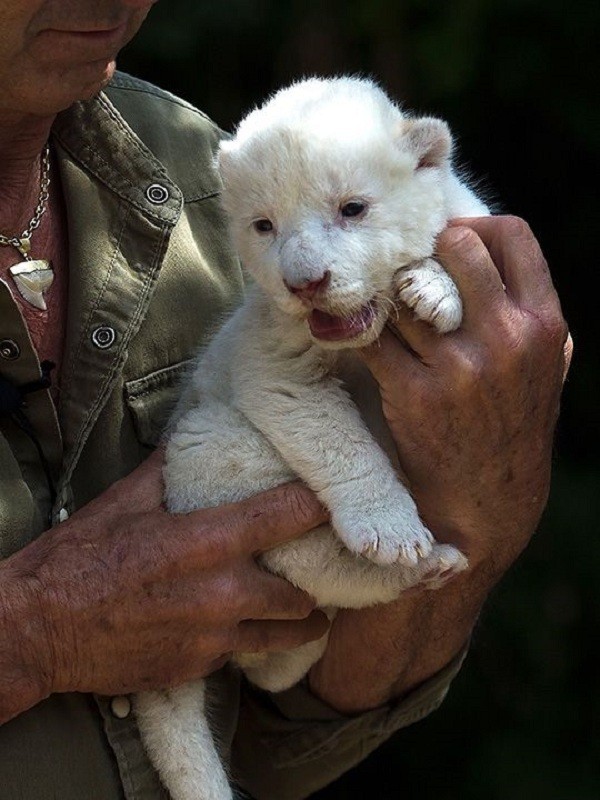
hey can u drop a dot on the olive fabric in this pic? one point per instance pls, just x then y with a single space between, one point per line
151 274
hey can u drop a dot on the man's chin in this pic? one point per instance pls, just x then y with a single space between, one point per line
87 83
103 77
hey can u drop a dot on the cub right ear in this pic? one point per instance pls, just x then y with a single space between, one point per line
428 139
224 156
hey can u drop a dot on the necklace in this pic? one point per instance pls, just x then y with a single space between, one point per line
33 277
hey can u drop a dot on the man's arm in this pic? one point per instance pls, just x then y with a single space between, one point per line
473 416
124 597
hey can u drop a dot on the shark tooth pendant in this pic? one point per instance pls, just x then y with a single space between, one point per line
32 279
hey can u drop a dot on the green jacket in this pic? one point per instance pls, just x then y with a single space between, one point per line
151 273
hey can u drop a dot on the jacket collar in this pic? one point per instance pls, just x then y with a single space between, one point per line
96 136
117 242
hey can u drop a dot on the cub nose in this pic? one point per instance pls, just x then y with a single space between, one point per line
306 290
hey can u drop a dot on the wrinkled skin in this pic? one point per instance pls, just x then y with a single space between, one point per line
479 404
124 597
473 416
47 57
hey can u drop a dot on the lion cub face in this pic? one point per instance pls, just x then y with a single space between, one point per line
330 190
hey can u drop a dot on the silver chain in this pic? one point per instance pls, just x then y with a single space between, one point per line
23 242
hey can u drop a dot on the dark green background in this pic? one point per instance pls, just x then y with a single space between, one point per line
517 81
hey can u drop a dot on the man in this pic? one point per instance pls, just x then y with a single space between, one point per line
117 596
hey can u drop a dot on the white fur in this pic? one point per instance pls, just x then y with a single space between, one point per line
268 403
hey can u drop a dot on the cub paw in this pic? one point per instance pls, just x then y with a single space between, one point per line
384 537
443 564
427 289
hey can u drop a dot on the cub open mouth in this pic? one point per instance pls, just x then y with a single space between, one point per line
326 326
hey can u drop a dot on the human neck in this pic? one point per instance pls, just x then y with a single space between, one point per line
22 141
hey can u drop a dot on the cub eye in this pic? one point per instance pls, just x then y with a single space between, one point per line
263 225
353 209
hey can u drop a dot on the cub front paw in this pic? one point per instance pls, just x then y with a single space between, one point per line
384 537
427 289
443 563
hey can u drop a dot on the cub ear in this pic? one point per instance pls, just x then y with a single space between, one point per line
428 139
224 156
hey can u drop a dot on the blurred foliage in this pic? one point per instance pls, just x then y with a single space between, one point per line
517 80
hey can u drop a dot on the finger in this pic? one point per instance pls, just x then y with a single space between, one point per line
141 490
395 352
468 262
263 520
416 336
216 664
568 355
254 636
150 469
280 515
150 487
517 255
270 597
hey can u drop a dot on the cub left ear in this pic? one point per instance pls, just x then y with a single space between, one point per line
429 139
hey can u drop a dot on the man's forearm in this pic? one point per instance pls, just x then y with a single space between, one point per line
21 637
472 414
380 653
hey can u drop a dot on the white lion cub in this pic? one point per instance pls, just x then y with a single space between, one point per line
335 199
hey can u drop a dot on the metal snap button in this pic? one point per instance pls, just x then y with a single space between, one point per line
9 349
104 336
157 194
120 707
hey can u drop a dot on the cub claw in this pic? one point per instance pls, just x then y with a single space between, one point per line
427 289
444 563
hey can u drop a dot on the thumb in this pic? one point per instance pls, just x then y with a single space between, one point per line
389 358
142 489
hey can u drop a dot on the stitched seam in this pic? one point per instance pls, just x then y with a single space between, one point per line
117 190
119 83
166 378
323 748
409 718
130 86
119 751
205 196
170 217
152 388
311 753
124 130
118 120
117 361
135 142
97 302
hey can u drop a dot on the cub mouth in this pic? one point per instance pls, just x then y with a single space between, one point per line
334 329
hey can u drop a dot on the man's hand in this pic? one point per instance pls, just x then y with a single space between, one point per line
125 597
473 415
473 412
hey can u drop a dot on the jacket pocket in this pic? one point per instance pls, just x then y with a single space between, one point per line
152 400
